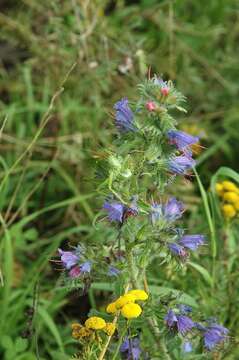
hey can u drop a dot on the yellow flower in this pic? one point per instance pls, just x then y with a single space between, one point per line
109 329
111 308
236 205
131 310
229 186
231 197
79 331
219 189
95 323
123 300
228 211
84 332
76 326
139 294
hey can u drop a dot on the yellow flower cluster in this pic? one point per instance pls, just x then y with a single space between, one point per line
229 193
126 304
93 323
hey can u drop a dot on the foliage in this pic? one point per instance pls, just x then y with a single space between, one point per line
48 197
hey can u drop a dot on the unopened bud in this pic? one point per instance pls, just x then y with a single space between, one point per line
164 91
150 106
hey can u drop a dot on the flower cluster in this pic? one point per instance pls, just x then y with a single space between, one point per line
92 325
147 155
126 305
212 333
185 243
71 261
229 194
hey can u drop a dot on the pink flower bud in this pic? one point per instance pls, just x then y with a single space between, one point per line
164 91
75 272
150 106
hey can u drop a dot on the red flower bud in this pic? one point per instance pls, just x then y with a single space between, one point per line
164 91
150 106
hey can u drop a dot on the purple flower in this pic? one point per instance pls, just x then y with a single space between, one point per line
124 116
113 271
119 212
182 140
180 164
214 335
75 271
78 270
115 211
173 209
181 323
192 242
187 347
184 324
171 318
177 250
68 258
131 345
170 211
85 267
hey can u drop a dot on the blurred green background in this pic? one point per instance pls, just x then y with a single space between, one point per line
99 51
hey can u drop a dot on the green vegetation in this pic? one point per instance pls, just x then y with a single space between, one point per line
63 65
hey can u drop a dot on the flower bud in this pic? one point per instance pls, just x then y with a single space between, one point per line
164 91
150 106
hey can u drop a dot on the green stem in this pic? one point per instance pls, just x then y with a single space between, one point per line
210 224
130 261
120 341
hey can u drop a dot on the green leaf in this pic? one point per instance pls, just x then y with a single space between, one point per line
205 274
164 291
47 319
20 345
6 342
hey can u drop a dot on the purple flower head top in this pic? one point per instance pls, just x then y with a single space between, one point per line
178 250
183 324
170 211
68 258
180 322
79 270
181 164
113 271
192 242
214 335
130 349
115 211
182 140
124 116
173 209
